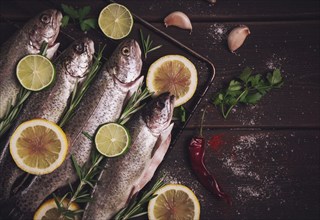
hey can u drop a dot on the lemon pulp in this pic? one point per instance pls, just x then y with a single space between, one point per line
38 146
49 210
175 74
174 201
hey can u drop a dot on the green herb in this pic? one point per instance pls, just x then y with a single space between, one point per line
88 172
136 207
79 91
78 15
146 45
247 89
13 111
179 113
134 104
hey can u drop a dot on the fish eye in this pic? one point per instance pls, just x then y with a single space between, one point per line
125 51
45 18
161 105
79 48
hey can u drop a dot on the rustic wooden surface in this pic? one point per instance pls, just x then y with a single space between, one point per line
268 158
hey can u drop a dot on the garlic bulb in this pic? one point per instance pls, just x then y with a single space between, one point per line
237 37
178 19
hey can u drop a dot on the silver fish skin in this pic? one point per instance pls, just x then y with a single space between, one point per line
101 104
117 181
71 67
44 27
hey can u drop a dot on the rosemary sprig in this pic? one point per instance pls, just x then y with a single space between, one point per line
134 105
87 174
13 111
79 91
136 206
146 44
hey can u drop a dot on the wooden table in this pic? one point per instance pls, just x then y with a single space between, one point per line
268 155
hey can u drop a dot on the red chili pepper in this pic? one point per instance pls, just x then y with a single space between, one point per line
196 153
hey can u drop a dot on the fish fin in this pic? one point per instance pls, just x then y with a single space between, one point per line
163 137
134 87
52 51
161 149
9 175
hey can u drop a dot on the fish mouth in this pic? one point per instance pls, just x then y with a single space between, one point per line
137 49
90 44
79 63
158 114
83 69
55 24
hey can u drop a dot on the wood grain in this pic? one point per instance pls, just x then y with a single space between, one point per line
268 158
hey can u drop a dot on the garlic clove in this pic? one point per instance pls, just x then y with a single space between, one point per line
178 19
212 1
237 37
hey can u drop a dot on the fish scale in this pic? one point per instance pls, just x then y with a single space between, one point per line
26 41
122 175
49 104
102 103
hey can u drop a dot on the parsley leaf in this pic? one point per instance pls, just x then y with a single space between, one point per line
179 113
78 15
247 89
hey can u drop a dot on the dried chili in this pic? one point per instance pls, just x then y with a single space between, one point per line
196 153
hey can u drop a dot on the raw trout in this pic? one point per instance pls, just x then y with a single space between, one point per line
101 104
44 27
71 68
125 175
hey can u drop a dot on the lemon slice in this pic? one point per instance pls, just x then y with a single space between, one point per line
38 146
112 140
35 72
175 74
115 21
49 210
174 201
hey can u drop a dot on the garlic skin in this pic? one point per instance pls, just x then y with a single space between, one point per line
237 37
212 1
178 19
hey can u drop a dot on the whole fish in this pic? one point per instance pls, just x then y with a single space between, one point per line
101 104
71 68
127 174
44 27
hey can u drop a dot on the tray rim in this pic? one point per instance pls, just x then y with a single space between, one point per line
204 91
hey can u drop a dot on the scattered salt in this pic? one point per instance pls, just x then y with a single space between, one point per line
275 62
242 162
217 32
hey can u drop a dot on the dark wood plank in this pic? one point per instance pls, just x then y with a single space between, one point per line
197 10
269 174
268 159
290 46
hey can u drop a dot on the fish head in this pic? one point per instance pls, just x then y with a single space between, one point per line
158 113
44 27
126 62
78 58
